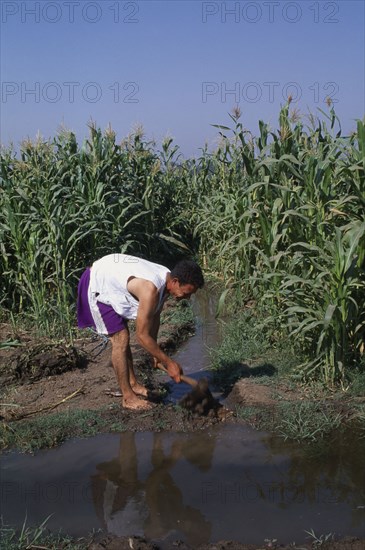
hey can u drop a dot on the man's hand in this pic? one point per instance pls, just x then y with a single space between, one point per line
156 363
173 368
175 371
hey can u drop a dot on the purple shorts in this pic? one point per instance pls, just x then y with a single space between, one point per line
112 320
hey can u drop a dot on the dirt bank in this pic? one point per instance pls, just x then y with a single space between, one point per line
110 542
39 378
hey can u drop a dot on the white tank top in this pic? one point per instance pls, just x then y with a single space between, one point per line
108 282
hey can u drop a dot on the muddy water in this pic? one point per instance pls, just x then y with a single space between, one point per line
195 354
229 482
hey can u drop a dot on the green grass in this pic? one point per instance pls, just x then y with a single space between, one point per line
358 417
37 537
307 421
319 540
251 350
312 412
357 383
181 314
303 422
29 435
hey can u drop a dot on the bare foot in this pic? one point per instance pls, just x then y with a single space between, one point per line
139 389
136 404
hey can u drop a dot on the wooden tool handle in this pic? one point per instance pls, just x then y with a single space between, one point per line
183 377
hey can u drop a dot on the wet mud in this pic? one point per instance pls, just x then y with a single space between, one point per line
39 377
37 360
201 401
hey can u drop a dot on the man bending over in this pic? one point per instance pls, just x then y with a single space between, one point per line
119 287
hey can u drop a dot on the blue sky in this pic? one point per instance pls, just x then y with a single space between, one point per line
175 67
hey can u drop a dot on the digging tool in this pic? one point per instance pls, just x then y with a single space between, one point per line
183 377
200 399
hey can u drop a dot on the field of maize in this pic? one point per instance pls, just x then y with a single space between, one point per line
279 217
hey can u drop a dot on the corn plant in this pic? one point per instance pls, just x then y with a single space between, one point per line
284 223
64 205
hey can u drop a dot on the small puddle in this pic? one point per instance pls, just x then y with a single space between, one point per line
227 483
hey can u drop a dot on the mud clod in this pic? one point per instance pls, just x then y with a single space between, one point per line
40 360
200 400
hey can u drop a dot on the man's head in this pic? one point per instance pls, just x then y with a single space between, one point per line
185 279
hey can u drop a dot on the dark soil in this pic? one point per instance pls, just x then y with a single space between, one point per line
36 360
110 542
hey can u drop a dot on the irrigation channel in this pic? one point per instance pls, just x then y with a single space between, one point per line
227 483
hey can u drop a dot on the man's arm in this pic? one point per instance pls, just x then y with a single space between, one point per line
155 325
147 323
154 334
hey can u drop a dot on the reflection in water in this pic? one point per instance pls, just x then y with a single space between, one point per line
118 495
153 507
332 471
242 480
228 482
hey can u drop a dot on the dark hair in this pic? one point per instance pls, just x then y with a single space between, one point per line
188 272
